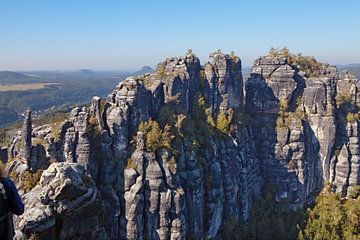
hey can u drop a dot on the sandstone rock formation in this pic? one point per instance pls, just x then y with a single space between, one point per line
4 154
26 136
59 206
225 144
294 126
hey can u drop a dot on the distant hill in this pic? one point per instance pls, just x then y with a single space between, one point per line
86 72
73 87
8 77
143 70
353 68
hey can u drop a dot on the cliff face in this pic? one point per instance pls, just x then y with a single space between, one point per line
223 145
294 126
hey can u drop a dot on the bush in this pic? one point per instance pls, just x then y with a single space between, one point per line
131 164
342 98
198 109
268 220
92 120
147 81
283 104
29 179
155 137
210 121
160 72
38 141
172 164
352 117
332 218
285 118
222 122
354 192
55 131
307 64
166 116
202 79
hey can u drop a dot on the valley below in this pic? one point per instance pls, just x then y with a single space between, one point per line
48 90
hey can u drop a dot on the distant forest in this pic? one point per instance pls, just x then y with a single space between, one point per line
72 88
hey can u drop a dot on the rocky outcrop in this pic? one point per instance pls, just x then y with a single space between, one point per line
64 196
319 104
346 161
181 81
153 208
294 125
279 132
3 154
223 83
344 165
225 145
126 108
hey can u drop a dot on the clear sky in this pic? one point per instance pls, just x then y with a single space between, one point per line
127 34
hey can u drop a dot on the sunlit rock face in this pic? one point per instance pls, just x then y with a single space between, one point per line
64 197
282 129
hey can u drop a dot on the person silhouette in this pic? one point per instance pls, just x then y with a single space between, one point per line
10 203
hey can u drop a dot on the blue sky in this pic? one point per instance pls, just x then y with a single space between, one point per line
125 35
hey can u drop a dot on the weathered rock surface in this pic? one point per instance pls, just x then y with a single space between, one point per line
26 136
294 126
223 84
285 130
4 154
65 204
181 81
344 165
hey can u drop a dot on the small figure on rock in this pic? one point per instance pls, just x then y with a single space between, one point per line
10 203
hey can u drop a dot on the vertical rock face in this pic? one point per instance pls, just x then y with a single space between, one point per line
126 108
154 204
271 79
294 125
73 141
346 162
279 132
344 165
291 131
181 81
26 135
4 154
223 83
319 104
82 149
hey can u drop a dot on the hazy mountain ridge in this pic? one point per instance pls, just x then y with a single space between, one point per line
8 77
353 68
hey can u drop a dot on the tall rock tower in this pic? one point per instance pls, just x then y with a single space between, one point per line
26 136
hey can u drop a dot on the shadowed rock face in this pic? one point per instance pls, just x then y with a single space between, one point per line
26 135
344 165
288 132
4 155
294 126
224 83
